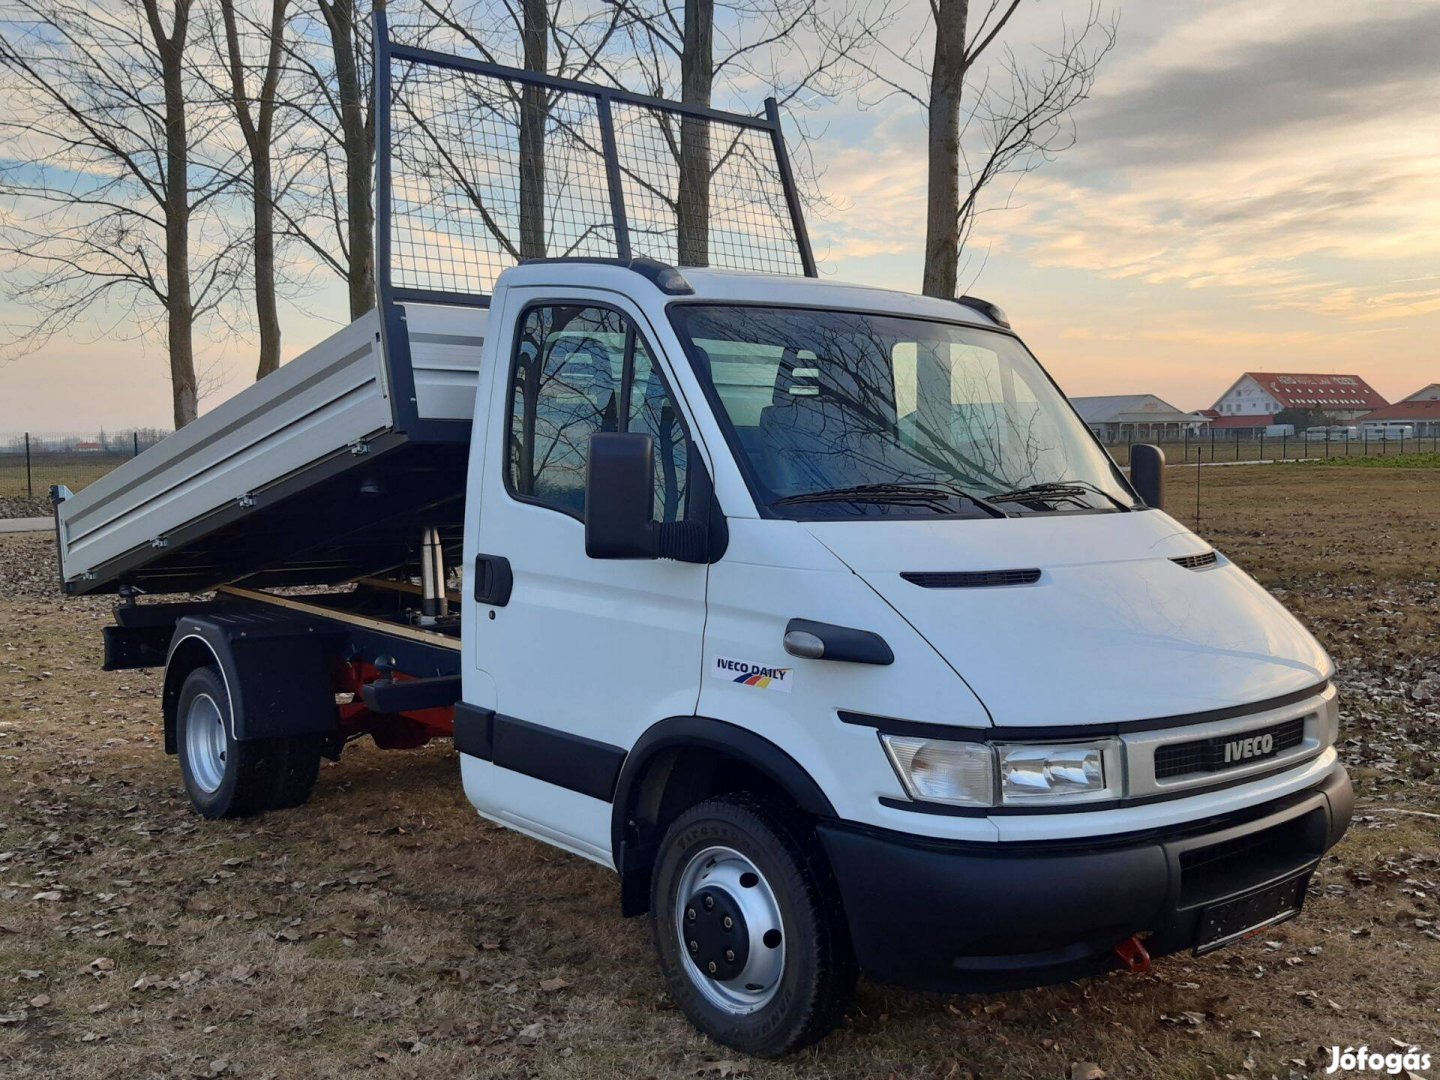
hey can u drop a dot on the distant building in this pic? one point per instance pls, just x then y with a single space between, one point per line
1420 414
1264 393
1427 393
1248 425
1135 418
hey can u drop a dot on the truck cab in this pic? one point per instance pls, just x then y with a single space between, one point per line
792 562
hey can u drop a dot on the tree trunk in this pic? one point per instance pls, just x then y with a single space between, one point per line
947 81
697 77
258 129
179 309
266 311
357 136
533 116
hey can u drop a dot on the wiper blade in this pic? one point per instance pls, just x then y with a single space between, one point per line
923 494
1058 488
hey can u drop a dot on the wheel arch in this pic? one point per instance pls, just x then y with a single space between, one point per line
276 674
189 650
681 761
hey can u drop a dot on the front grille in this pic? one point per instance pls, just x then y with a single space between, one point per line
1208 755
971 579
1196 562
1223 868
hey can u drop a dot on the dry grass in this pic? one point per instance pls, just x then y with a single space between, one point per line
385 929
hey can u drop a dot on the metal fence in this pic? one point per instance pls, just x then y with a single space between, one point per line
32 461
1223 447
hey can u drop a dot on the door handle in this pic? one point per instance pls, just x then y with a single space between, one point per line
493 580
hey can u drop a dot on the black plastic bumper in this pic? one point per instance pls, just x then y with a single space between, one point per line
948 916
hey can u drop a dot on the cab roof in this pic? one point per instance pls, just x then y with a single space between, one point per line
739 286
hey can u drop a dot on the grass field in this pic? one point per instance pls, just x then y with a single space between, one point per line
384 930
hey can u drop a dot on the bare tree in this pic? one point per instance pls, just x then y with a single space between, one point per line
801 50
535 43
350 47
1021 114
257 125
553 39
100 168
325 204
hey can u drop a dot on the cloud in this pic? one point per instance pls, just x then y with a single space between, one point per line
1288 156
1383 64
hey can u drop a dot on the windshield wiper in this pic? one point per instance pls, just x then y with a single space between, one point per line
1058 488
922 494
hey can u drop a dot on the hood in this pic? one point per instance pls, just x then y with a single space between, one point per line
1112 631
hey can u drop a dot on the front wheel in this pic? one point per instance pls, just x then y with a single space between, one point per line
748 927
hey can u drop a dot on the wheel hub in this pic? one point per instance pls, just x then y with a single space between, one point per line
205 743
717 937
730 930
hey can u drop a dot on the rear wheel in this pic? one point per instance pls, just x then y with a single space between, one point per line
750 936
297 771
228 778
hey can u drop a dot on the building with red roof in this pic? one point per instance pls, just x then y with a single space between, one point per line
1419 413
1265 393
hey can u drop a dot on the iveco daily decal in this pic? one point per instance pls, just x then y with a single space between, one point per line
748 674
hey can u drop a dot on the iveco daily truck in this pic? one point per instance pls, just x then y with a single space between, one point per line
812 610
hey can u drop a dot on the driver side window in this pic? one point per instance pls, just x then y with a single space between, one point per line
579 370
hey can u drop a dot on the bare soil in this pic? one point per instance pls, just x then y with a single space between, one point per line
385 929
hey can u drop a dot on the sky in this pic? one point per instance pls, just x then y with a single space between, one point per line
1255 186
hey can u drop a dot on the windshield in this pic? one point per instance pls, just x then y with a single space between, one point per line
843 414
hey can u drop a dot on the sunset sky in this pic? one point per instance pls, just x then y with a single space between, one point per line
1256 185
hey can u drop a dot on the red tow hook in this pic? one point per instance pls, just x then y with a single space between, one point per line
1132 954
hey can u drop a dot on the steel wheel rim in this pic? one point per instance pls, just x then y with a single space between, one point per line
205 743
727 870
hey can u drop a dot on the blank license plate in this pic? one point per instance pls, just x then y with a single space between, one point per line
1222 923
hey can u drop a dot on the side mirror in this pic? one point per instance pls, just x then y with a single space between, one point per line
619 497
1147 474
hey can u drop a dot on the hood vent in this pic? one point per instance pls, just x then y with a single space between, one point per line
1202 561
971 579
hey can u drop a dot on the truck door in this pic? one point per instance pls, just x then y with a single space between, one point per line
584 654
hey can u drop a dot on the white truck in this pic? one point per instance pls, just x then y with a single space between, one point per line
813 610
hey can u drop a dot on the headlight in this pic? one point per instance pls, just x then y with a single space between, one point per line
986 774
948 772
1067 770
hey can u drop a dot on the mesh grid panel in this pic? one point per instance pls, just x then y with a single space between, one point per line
730 199
466 202
456 182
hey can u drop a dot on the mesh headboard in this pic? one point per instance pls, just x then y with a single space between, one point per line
481 166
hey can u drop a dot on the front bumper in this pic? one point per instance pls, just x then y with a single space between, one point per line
948 916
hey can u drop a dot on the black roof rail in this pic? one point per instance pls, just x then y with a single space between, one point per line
991 311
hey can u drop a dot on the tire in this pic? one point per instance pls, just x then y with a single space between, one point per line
297 771
791 975
226 778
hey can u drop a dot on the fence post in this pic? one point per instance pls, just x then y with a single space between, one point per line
29 479
1284 441
1212 444
1327 444
136 436
1261 455
1237 444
